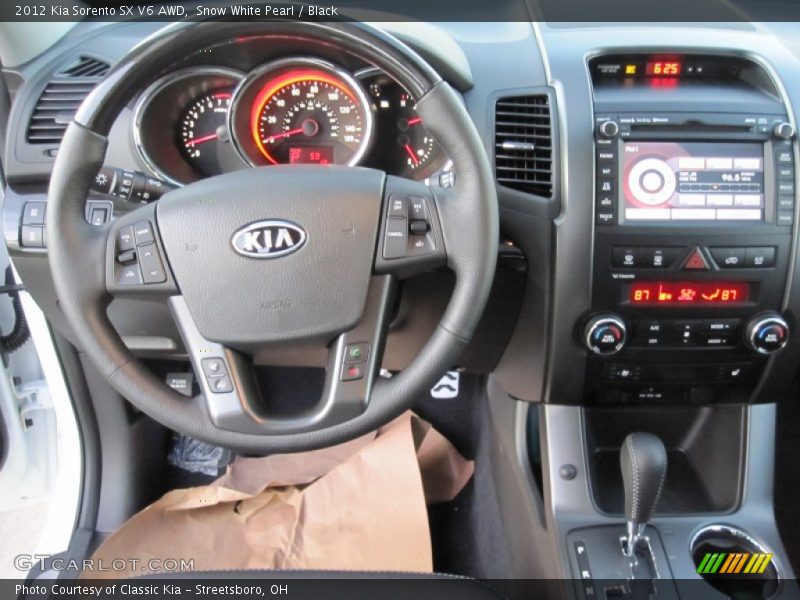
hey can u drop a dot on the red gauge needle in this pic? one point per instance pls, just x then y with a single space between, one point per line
410 152
415 121
285 134
200 140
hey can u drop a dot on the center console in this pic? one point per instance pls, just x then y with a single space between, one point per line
694 216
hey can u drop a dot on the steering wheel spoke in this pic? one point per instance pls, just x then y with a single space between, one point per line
135 258
411 239
229 387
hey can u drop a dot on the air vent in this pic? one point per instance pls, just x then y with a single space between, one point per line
524 144
85 66
61 98
54 110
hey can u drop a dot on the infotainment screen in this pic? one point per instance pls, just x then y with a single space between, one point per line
692 181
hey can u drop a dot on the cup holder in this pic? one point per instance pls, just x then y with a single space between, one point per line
727 574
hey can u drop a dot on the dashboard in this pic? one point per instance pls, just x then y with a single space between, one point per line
290 110
621 163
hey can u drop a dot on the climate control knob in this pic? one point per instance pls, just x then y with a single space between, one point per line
608 129
766 333
605 334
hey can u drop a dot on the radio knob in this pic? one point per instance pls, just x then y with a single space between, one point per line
766 333
784 130
608 129
605 334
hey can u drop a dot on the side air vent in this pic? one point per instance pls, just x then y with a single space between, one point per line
524 144
61 98
85 66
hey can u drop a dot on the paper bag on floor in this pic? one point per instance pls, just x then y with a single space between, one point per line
356 506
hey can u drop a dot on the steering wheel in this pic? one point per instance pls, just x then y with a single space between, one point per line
345 232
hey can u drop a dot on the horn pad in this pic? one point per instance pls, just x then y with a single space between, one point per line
274 253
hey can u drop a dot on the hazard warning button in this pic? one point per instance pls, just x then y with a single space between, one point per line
695 261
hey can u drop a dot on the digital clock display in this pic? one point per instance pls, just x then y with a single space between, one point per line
663 68
672 293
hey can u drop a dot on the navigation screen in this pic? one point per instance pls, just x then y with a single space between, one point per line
669 181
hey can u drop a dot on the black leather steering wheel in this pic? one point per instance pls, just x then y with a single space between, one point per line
332 294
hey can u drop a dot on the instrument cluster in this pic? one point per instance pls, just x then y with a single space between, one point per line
205 121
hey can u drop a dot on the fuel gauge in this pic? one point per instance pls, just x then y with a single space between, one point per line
418 146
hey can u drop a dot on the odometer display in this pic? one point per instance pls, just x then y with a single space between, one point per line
672 293
310 115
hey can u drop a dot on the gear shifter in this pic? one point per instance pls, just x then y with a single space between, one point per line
644 467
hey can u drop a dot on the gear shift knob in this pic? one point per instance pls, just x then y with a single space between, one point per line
643 460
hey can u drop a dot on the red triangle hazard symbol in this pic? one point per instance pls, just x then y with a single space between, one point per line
695 262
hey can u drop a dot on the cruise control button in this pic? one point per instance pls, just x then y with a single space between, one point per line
728 258
760 258
418 227
396 238
129 275
397 206
417 208
143 233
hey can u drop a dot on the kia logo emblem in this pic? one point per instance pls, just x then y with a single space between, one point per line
269 239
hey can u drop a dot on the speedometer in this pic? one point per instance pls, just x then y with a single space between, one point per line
302 111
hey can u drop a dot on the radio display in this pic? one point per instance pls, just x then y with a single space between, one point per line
692 181
688 293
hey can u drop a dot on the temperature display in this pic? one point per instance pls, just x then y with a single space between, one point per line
663 69
694 294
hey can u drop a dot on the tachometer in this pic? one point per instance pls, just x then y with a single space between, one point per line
203 127
302 111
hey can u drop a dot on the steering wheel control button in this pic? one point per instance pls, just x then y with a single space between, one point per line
31 236
152 267
129 275
125 239
221 385
143 233
396 241
354 353
217 376
33 213
767 333
126 258
605 334
353 371
397 206
214 367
